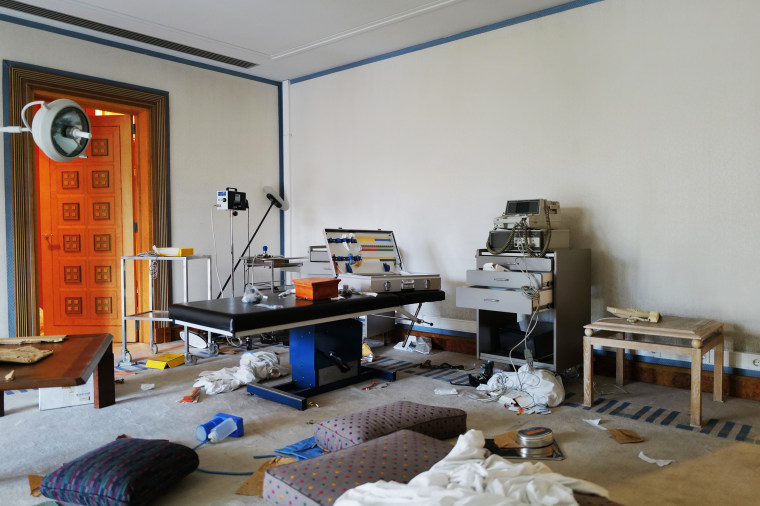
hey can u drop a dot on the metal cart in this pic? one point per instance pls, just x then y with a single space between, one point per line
154 315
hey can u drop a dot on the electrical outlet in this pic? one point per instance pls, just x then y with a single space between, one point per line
756 362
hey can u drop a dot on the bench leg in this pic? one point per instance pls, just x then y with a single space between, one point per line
620 366
718 371
696 387
588 373
105 390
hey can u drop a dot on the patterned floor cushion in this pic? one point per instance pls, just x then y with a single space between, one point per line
121 473
356 428
321 480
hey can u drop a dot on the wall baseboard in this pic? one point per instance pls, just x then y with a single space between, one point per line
734 385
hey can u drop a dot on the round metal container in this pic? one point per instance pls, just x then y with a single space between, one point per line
535 437
535 453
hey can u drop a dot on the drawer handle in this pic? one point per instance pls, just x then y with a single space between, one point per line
501 279
491 300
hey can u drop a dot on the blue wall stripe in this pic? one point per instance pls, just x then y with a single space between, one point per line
8 204
451 38
736 371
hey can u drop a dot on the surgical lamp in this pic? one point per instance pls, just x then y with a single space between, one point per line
61 129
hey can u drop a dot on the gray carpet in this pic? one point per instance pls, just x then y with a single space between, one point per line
36 442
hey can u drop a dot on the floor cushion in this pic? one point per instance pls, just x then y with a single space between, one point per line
356 428
399 457
124 472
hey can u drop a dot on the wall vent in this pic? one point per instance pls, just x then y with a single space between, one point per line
126 34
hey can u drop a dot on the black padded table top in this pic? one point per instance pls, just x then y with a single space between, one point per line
233 316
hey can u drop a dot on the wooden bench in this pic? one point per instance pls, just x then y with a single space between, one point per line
690 337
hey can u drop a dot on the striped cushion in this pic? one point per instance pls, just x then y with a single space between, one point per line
124 472
356 428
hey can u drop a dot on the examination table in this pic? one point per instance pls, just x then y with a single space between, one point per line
325 337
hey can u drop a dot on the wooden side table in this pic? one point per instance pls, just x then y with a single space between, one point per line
690 337
73 361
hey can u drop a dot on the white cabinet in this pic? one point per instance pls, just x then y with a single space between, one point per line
561 300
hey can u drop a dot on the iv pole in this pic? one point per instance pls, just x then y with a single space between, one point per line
275 200
233 265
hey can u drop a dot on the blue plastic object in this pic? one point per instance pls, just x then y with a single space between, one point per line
202 431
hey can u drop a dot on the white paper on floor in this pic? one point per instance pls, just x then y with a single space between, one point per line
659 462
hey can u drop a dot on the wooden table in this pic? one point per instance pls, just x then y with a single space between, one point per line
72 362
690 337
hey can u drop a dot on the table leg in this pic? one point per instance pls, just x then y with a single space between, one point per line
696 387
718 370
2 403
103 378
620 366
588 373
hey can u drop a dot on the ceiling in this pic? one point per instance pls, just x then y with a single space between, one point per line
271 39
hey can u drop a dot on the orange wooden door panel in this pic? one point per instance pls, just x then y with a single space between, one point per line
85 222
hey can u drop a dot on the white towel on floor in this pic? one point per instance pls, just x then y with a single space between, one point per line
466 477
254 367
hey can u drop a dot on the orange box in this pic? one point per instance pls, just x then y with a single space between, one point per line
318 288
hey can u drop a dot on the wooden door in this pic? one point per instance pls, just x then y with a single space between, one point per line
85 220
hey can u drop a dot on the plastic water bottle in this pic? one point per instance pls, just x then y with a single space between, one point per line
222 430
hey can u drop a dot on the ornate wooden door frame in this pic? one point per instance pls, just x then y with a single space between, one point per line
24 83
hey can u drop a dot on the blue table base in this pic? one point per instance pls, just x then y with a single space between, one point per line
323 357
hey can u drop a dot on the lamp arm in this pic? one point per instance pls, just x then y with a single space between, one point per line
13 129
23 112
245 250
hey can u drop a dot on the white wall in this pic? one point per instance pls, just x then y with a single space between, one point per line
223 132
641 117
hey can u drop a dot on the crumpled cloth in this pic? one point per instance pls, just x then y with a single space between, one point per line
543 386
466 476
254 367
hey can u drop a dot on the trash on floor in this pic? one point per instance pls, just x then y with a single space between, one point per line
255 484
165 361
34 485
302 450
193 397
254 367
367 355
219 427
595 423
445 365
624 436
659 462
147 386
10 375
445 391
417 344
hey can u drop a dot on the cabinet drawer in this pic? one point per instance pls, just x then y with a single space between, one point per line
495 299
508 279
516 263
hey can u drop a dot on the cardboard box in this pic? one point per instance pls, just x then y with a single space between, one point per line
166 361
318 288
63 397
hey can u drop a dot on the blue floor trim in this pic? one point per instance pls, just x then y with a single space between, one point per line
667 418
